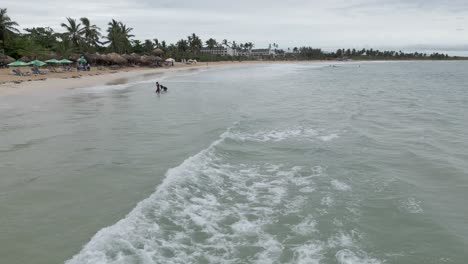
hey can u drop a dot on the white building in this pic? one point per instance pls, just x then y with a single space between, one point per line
239 52
219 51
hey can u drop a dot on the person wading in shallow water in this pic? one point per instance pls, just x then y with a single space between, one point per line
158 88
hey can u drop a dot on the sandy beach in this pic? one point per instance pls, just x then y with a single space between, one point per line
14 85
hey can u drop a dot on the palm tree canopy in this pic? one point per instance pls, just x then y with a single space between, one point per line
90 32
118 36
74 31
7 26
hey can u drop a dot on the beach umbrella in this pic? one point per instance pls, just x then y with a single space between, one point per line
24 58
157 58
37 63
18 63
66 61
6 59
52 61
170 60
145 59
116 58
157 51
81 60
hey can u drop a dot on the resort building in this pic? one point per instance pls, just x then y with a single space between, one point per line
219 51
223 51
262 52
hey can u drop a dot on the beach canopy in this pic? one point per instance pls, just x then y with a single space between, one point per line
81 60
18 63
66 61
52 61
37 63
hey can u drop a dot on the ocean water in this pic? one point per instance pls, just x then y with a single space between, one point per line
275 163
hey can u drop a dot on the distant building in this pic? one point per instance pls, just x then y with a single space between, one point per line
262 52
219 51
223 51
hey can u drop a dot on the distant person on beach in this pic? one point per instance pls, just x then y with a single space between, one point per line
158 88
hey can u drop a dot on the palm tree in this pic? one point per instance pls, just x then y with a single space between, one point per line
211 43
225 43
64 47
148 46
118 36
234 45
7 27
182 45
31 49
91 32
195 43
75 31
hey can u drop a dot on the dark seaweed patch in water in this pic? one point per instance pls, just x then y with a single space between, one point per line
118 81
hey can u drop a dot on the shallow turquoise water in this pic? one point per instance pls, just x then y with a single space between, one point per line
288 163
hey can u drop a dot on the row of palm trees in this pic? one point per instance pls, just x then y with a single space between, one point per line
85 35
7 27
81 35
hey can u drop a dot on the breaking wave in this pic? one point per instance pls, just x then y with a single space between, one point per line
214 208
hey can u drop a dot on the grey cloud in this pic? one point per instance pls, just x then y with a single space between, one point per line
332 23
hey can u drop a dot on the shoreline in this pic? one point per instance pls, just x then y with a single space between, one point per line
29 85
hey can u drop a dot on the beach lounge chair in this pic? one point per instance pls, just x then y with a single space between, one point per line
22 73
36 71
18 72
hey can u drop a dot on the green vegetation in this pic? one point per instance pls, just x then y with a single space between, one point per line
308 53
82 37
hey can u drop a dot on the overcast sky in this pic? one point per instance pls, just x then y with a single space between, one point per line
326 23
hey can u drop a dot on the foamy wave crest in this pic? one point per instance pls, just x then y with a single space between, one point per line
277 135
340 186
411 205
192 218
211 210
347 256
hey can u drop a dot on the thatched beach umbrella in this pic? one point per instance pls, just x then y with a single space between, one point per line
94 58
116 58
157 51
135 57
145 59
157 58
128 57
24 58
6 59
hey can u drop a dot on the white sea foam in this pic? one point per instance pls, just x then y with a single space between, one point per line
327 201
208 210
347 256
340 186
311 253
276 135
306 227
330 137
411 205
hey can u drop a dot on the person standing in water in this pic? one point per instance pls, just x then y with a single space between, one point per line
158 88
